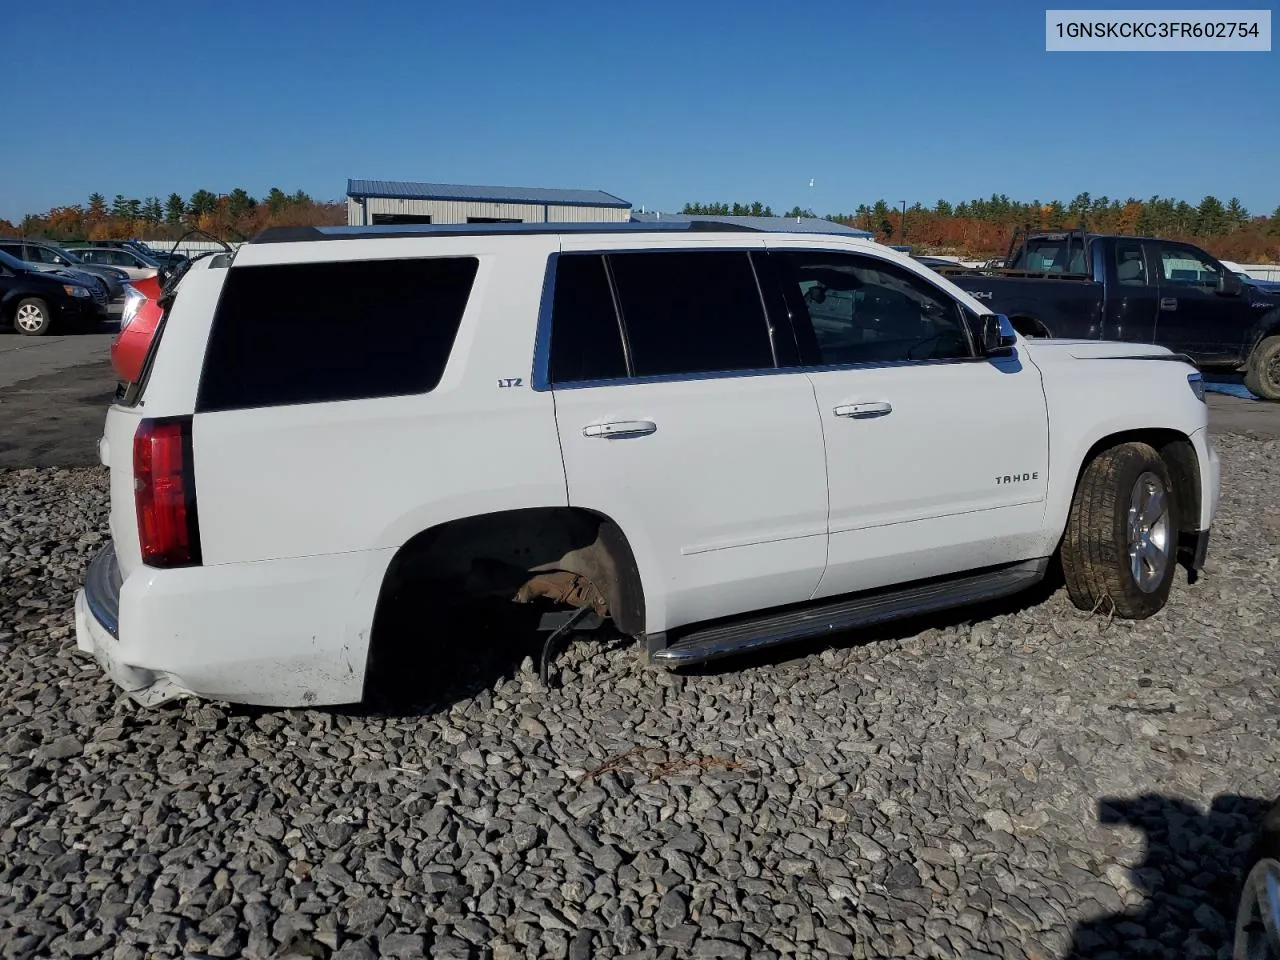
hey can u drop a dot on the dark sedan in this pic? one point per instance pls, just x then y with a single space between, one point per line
35 303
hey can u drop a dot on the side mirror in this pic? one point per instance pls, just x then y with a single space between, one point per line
1229 285
996 336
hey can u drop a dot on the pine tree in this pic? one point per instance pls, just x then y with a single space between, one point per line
240 203
202 202
120 206
1236 213
174 208
97 207
1211 217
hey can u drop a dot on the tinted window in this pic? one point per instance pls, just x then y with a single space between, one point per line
1052 254
301 333
853 309
586 341
691 312
1129 266
1185 265
12 249
36 254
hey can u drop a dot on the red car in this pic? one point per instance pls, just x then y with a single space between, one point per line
138 325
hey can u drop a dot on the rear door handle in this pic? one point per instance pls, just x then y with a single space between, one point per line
1168 303
863 410
620 429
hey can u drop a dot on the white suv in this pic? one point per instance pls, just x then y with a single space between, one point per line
717 439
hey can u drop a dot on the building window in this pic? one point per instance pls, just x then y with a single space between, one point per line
398 219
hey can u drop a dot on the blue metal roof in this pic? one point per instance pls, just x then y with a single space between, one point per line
403 190
767 224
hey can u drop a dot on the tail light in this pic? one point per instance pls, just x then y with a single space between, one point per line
165 493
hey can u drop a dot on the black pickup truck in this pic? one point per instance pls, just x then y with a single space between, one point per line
1078 285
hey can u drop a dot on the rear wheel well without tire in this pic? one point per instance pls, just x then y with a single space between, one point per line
568 556
1030 327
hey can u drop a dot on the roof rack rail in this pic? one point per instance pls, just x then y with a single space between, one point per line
380 231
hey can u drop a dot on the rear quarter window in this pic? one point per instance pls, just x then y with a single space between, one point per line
315 332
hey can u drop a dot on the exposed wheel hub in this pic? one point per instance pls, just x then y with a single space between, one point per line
1149 536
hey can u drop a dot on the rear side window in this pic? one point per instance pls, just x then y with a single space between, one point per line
1130 268
691 312
312 332
586 339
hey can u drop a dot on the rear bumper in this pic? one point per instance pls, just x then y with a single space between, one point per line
274 633
97 618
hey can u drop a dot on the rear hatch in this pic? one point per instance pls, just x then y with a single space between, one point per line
164 394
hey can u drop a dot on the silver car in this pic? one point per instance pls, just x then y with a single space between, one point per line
137 265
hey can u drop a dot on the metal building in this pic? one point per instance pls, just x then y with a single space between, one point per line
398 202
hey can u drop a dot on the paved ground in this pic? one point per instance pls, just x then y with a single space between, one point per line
54 392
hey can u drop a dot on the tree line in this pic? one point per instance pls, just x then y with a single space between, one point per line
984 227
972 228
232 216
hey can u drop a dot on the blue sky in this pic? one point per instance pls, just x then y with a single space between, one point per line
659 102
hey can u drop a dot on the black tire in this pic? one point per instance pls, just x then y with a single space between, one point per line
1262 375
1096 560
26 314
1250 937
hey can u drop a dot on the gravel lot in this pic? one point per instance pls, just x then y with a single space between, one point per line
1032 782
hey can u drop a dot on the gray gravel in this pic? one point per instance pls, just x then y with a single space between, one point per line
1033 783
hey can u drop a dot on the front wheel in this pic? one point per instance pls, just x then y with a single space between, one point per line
1262 377
1119 552
32 317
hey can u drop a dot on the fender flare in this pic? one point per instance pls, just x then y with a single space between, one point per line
1266 325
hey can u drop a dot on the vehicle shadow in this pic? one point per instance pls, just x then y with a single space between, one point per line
430 657
1190 877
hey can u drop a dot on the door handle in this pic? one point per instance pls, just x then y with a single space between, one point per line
861 411
620 429
1168 303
